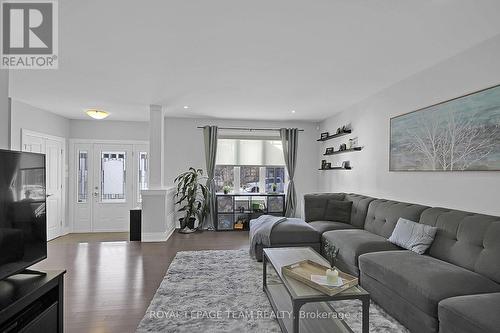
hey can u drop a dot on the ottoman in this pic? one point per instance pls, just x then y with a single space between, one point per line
293 232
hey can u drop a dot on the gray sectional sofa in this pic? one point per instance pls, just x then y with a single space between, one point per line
453 287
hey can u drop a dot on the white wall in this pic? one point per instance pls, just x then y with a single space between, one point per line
184 147
470 71
109 130
4 109
35 119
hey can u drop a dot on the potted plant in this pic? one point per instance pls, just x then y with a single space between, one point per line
275 187
226 189
192 196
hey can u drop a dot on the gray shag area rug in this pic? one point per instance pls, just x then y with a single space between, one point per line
221 291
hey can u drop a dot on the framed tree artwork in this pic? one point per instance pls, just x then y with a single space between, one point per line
462 134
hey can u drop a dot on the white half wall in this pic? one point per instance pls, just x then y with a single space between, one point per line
4 109
472 70
184 148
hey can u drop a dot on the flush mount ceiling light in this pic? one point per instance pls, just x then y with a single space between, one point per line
96 114
186 107
293 111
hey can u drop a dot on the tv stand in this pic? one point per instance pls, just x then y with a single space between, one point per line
32 272
32 304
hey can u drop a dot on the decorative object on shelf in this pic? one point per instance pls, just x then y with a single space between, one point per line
226 189
240 222
323 162
192 197
324 135
355 142
349 144
328 165
462 134
275 187
337 134
329 150
343 147
346 165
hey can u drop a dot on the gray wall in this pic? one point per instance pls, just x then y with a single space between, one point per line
35 119
109 130
474 69
4 109
184 147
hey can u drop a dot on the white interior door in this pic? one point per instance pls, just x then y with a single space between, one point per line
53 158
53 148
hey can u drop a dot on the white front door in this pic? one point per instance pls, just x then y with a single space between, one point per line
53 148
113 191
108 179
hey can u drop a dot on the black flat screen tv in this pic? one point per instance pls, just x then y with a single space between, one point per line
23 224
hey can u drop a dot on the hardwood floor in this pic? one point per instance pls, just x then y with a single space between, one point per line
110 281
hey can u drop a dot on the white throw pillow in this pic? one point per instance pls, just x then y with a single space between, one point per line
413 236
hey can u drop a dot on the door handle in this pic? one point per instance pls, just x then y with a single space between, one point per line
48 195
96 194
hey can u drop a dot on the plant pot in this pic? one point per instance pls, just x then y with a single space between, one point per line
189 224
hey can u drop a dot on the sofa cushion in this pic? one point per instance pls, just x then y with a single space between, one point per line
470 314
294 231
422 280
315 205
359 209
323 226
338 210
413 236
466 239
353 243
383 215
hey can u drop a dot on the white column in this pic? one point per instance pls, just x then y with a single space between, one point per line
158 209
156 146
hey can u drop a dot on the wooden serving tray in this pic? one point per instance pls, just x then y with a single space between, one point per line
303 270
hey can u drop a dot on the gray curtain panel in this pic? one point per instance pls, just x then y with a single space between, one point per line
210 137
289 139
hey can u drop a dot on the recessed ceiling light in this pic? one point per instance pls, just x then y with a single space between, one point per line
186 107
97 114
293 111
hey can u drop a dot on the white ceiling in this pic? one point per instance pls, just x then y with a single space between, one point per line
255 59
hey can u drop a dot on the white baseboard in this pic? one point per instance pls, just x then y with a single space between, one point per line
156 236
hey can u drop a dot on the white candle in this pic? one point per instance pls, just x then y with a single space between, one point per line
332 276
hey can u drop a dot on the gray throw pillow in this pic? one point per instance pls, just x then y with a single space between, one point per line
413 236
338 211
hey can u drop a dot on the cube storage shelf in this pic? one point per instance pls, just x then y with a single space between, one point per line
234 211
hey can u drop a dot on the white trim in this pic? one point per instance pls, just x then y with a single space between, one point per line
25 131
157 191
156 236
